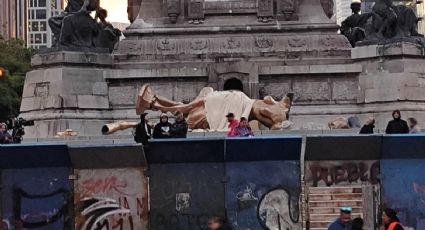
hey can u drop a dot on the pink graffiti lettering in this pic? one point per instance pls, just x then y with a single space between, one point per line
103 185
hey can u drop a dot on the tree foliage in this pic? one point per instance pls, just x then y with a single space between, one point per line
15 58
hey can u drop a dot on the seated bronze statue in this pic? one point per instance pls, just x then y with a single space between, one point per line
210 107
388 21
353 27
75 28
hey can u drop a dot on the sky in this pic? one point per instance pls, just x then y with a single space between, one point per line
117 10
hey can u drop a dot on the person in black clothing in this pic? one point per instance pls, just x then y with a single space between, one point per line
162 129
143 130
179 128
368 126
357 224
397 126
390 220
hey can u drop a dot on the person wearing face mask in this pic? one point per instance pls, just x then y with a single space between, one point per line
397 125
344 222
162 129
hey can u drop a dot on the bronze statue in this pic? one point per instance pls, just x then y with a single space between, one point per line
388 23
353 27
208 110
391 21
75 29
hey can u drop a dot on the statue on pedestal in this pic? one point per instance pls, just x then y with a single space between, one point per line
353 27
209 109
388 23
76 29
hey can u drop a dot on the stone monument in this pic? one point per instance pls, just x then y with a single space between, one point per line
260 47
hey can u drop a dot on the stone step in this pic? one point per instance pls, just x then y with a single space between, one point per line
330 217
333 204
319 224
331 210
340 196
334 190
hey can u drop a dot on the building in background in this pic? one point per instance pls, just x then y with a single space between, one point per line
13 19
39 11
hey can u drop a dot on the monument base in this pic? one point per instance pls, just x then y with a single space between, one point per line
66 90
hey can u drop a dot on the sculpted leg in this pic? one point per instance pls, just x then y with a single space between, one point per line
148 100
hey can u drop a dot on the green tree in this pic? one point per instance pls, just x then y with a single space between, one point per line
15 59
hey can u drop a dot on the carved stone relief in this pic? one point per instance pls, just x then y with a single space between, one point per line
232 43
165 45
263 43
199 44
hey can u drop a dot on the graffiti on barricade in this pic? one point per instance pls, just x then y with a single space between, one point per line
277 212
329 173
105 199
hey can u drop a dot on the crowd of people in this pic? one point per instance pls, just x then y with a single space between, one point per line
395 126
164 129
389 221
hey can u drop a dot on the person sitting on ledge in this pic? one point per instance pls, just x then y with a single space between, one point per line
233 124
143 130
162 129
243 130
179 128
368 126
397 125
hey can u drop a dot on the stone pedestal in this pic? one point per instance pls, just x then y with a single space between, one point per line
67 90
392 77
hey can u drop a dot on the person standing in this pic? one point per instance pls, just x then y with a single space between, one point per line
179 128
413 125
390 220
243 130
397 125
162 129
368 126
143 130
344 221
233 124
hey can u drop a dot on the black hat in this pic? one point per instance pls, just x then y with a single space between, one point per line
230 115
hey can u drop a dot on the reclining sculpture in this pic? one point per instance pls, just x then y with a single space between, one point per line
210 107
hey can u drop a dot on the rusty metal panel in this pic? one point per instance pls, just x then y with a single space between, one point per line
36 198
184 196
341 173
264 195
111 199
